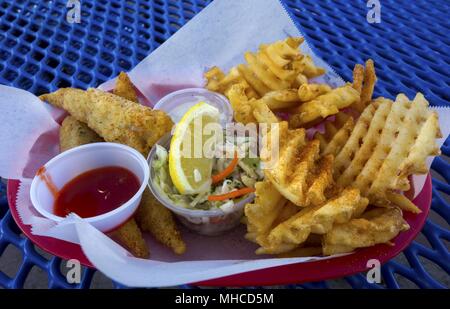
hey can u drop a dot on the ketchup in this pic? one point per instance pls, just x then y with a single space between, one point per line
96 192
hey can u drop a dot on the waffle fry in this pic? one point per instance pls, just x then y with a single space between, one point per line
375 227
358 77
299 174
274 67
364 80
264 211
317 220
389 142
308 92
262 113
323 106
281 99
336 134
308 68
243 110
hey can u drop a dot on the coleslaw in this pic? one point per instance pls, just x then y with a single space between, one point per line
245 174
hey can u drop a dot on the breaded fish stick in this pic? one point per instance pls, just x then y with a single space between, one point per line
114 118
124 88
158 220
130 236
74 133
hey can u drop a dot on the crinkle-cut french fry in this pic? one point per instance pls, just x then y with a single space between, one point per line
308 68
323 106
298 173
389 142
376 226
315 219
262 213
308 92
262 113
336 134
243 109
322 180
276 66
370 79
281 99
358 77
364 80
402 202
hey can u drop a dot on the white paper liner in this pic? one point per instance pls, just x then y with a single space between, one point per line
233 27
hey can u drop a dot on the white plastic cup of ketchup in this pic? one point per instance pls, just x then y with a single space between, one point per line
79 179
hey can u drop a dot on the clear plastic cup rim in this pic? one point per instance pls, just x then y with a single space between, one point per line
177 103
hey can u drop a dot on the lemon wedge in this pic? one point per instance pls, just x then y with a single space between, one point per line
189 166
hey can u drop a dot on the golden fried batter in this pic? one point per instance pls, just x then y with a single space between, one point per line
75 133
114 118
124 88
158 220
130 236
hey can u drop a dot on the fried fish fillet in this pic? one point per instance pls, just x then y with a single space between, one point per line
130 236
75 133
113 118
155 218
124 88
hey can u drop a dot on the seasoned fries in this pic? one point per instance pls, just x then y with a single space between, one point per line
364 153
264 211
364 80
298 174
375 227
336 134
241 104
275 67
262 113
281 99
323 106
318 220
389 142
308 92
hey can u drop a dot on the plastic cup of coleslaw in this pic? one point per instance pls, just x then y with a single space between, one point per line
205 222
